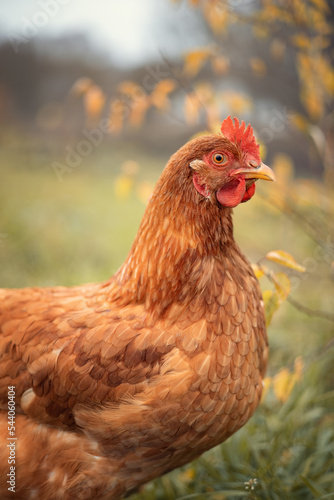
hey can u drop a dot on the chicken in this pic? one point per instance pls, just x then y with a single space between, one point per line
107 386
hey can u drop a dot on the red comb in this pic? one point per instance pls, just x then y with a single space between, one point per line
241 135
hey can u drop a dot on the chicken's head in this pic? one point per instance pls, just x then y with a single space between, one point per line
229 165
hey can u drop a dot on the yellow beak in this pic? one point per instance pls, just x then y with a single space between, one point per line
261 171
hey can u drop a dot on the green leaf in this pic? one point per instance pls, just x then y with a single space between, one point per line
315 489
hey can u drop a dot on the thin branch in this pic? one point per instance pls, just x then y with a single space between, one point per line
310 312
306 310
310 228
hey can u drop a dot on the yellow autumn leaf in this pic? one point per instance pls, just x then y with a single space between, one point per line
258 271
205 92
186 475
191 109
319 22
300 12
301 41
313 103
326 74
165 86
138 111
220 64
195 60
258 66
94 100
321 5
299 121
131 89
130 167
277 49
272 12
271 304
304 63
283 384
217 15
285 259
118 110
282 284
123 186
159 96
237 101
284 381
144 191
81 86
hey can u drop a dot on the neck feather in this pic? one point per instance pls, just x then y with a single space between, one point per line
181 237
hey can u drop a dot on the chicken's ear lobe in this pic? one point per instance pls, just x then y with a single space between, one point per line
199 183
200 186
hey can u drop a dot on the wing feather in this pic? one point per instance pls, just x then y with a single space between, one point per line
60 350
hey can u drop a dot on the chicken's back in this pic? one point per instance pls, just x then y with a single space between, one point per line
35 323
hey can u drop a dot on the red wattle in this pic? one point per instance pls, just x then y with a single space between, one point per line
249 193
233 193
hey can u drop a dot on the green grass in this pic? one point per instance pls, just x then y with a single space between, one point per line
79 231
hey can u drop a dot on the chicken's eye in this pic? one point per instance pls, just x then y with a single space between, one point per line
219 158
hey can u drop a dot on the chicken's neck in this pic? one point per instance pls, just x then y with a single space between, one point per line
181 238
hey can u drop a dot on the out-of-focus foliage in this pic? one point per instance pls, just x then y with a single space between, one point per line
300 32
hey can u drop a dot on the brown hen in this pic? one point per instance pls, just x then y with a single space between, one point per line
117 383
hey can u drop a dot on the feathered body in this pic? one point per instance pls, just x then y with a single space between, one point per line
120 382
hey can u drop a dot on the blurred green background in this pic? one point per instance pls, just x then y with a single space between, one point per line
65 224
